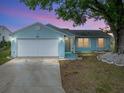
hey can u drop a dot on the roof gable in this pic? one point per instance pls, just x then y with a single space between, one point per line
35 29
35 26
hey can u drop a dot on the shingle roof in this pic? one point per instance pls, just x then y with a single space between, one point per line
81 33
61 30
89 33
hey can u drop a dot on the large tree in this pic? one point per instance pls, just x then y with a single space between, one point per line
112 11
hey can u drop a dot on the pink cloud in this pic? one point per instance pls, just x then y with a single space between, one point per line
23 14
49 18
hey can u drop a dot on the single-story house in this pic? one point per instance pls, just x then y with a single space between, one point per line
40 40
5 33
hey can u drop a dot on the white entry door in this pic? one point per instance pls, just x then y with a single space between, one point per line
37 47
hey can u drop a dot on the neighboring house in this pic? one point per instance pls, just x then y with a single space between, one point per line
49 41
5 33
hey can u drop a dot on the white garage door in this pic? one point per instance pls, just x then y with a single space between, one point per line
40 47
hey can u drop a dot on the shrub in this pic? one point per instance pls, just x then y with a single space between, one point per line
4 45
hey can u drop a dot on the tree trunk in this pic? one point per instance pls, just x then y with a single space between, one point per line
119 41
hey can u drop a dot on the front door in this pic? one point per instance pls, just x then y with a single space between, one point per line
67 44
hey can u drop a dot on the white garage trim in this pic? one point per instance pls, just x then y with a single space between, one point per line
43 47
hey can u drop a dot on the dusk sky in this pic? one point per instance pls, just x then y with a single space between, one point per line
16 15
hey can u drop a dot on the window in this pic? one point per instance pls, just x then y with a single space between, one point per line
101 42
83 42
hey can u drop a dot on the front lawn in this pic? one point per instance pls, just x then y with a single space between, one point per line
4 54
91 76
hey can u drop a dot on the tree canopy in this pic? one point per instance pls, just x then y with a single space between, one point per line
112 11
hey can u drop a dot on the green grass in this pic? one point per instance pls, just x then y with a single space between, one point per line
4 54
86 54
91 76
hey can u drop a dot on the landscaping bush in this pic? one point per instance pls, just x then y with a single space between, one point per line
4 45
4 52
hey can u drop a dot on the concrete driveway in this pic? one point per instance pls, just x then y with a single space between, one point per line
31 75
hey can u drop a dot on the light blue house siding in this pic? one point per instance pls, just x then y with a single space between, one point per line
38 31
93 45
67 40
